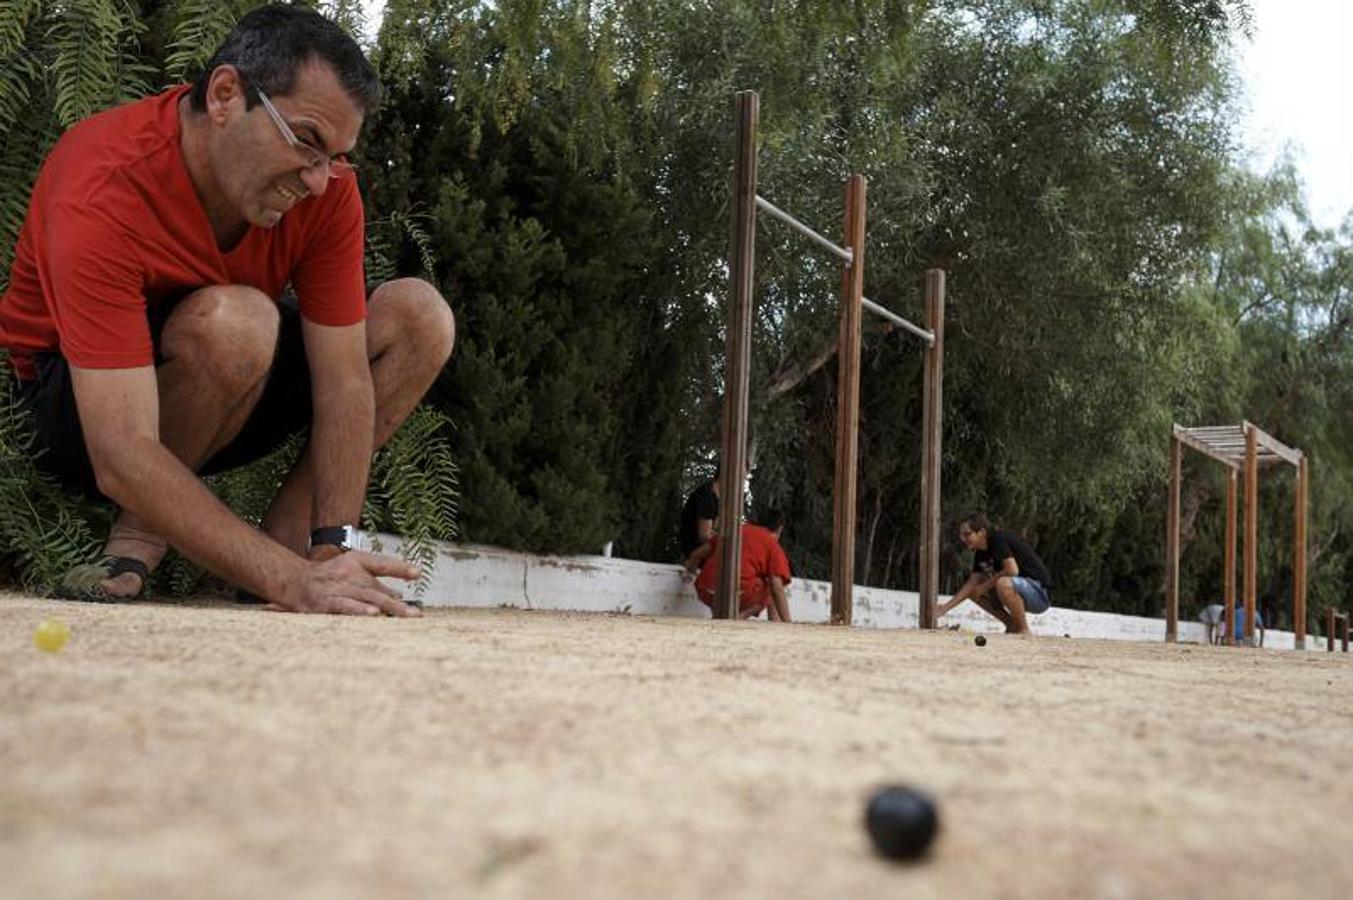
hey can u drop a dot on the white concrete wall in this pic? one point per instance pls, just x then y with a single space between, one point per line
473 575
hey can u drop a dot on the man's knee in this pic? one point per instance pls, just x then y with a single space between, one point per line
227 332
414 312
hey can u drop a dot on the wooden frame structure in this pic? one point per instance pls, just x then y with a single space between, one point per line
1335 621
1242 449
742 255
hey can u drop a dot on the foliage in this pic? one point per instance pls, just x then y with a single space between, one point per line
42 529
415 489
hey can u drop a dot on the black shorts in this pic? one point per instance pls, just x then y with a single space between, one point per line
282 411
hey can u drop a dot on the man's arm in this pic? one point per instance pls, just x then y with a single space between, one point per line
974 586
704 530
119 412
342 433
779 598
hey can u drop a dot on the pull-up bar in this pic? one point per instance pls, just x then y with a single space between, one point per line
741 264
764 204
893 317
849 258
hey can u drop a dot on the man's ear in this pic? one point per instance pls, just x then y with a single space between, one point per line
223 88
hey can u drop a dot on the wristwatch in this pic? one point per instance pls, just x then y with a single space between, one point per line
344 537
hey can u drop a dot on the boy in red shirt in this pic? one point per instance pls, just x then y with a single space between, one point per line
765 571
149 323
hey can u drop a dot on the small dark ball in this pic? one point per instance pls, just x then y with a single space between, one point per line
902 821
980 640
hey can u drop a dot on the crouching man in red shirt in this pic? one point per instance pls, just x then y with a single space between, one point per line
188 292
765 571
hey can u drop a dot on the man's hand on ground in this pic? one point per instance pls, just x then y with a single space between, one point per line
347 585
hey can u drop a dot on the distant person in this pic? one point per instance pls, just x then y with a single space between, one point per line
697 523
1008 579
1213 617
765 571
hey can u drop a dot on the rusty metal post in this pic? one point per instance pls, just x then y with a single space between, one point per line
742 302
1251 529
932 429
1299 559
848 406
1172 543
1229 577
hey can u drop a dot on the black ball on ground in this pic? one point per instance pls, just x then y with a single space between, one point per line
980 640
902 822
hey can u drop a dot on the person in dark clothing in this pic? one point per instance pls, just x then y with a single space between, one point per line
697 523
1008 579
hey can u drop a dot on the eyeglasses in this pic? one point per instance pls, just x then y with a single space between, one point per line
335 166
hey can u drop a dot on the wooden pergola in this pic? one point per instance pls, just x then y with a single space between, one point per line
1243 449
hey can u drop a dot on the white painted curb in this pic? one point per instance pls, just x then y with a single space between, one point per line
473 575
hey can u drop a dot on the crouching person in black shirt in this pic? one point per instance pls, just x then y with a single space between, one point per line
1008 579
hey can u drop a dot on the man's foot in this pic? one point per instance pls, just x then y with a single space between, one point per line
140 551
127 585
113 580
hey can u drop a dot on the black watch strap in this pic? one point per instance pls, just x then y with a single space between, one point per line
340 536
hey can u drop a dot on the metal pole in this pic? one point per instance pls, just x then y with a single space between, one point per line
1251 529
932 405
1299 560
848 407
1228 621
1172 543
830 247
742 261
893 317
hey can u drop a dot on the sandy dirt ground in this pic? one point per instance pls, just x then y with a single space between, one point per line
222 751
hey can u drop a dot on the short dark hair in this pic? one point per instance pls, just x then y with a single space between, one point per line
771 519
976 522
271 43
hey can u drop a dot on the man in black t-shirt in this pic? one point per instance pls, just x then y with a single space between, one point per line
697 523
1008 579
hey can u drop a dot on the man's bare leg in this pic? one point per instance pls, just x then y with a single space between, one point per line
1014 604
410 335
984 596
993 606
218 346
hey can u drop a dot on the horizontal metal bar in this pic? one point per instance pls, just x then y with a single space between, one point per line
763 204
897 320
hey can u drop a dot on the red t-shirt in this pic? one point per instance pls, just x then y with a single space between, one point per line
762 557
114 225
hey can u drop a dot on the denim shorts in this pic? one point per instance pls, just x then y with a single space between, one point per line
1033 593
